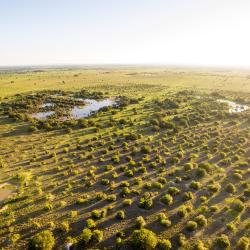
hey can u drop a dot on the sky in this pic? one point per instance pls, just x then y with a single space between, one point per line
170 32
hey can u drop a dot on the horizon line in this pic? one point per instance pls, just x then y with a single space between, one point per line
92 65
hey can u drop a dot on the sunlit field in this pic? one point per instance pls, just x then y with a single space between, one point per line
163 164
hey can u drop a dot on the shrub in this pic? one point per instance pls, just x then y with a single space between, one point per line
214 187
14 238
167 199
231 227
64 226
188 166
90 223
120 215
187 196
42 241
243 243
181 239
47 207
80 201
214 209
129 173
165 222
144 239
191 225
173 190
73 214
162 180
238 206
95 214
111 198
203 198
183 211
145 149
199 245
119 242
97 235
100 196
200 172
86 235
125 191
140 222
230 188
164 245
105 181
146 201
237 176
162 216
201 220
195 185
222 242
127 202
158 185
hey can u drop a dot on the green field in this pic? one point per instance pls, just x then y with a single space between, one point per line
169 158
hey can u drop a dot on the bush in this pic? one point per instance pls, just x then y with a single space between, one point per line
64 226
111 198
201 220
129 173
120 215
167 199
195 185
47 207
199 246
230 188
97 235
144 239
140 222
200 172
164 245
188 166
243 243
183 211
90 223
173 190
191 225
86 235
146 202
238 206
187 196
42 241
222 242
95 214
214 187
125 191
127 202
158 185
181 239
166 223
161 216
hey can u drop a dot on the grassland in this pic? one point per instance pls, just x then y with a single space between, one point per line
175 162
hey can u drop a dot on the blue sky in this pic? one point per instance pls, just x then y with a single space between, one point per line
179 32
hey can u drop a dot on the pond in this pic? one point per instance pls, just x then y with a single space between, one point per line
234 107
90 107
42 115
47 104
